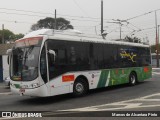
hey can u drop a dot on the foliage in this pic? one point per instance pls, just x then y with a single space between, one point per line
134 39
18 36
62 24
9 35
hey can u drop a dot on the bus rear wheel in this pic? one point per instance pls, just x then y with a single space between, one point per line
80 87
132 79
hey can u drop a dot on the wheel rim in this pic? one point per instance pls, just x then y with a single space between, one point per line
79 87
133 79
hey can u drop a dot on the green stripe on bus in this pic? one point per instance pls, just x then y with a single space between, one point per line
103 78
17 85
121 75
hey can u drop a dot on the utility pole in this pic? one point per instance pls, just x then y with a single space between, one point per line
120 30
95 30
101 17
118 21
157 41
55 20
158 33
2 33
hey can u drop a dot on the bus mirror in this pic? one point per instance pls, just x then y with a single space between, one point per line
52 52
9 51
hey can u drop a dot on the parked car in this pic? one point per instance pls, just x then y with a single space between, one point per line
7 81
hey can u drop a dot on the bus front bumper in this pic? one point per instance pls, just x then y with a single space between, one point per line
40 91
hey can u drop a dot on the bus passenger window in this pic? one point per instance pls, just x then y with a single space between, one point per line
72 55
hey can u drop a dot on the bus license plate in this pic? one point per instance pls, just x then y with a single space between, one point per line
22 90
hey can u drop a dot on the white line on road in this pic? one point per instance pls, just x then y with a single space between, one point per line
127 104
6 93
155 68
156 73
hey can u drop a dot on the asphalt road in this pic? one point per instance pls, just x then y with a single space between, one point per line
142 97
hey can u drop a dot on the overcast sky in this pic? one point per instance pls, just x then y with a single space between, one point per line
84 10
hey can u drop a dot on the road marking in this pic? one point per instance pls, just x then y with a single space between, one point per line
155 73
127 104
6 93
155 68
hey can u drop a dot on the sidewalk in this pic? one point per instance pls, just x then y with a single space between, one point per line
4 88
2 84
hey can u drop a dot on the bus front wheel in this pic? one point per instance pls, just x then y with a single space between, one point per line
80 87
132 79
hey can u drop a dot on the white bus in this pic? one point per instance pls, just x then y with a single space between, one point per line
48 62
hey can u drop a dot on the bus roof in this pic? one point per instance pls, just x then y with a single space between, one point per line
74 35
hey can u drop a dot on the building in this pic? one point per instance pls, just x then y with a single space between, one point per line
154 59
4 67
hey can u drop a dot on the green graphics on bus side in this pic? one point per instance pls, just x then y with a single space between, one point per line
120 76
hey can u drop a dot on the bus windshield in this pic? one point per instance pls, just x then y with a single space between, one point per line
24 62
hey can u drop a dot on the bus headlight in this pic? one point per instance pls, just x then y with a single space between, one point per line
35 85
24 86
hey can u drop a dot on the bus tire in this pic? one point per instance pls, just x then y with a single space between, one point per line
132 79
80 87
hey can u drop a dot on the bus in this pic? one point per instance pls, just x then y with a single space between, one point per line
52 62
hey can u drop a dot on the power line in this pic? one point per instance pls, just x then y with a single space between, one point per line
134 26
139 16
46 16
84 20
80 7
38 12
16 21
26 11
142 14
23 14
147 28
76 18
140 30
82 17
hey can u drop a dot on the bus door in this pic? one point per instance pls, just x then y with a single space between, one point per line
53 69
44 67
57 59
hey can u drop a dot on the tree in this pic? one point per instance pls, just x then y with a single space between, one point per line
130 39
18 36
62 24
9 35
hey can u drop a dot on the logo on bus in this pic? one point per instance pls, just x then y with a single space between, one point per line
128 53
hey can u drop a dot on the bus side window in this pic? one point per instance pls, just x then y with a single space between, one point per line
61 56
72 55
